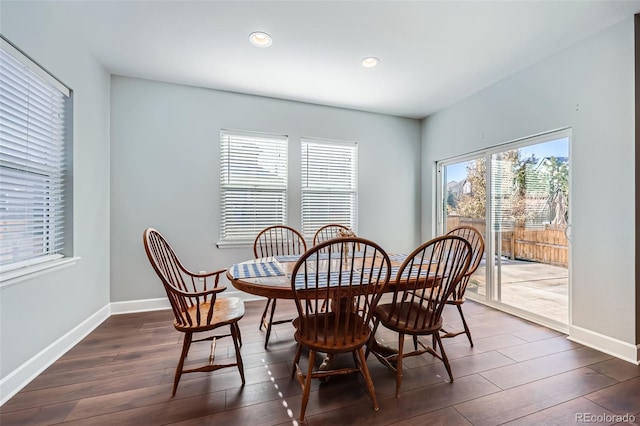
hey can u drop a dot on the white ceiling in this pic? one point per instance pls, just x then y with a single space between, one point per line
433 53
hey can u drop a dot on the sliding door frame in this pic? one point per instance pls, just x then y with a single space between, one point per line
492 296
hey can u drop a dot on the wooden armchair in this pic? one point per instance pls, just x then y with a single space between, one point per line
274 241
195 304
353 283
422 285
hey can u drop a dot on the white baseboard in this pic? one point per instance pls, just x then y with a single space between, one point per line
21 376
617 348
142 305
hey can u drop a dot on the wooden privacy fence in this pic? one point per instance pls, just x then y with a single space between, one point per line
547 244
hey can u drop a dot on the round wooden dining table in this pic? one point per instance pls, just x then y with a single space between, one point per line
275 280
270 277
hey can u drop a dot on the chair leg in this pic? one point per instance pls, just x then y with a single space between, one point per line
270 324
296 359
445 360
264 314
415 342
235 333
464 323
307 385
367 377
239 334
372 339
185 349
399 363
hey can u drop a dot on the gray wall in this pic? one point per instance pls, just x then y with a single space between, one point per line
588 87
38 311
165 148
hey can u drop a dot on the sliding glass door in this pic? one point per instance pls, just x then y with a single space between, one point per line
517 196
464 204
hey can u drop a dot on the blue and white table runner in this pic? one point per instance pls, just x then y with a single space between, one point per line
397 257
272 268
256 269
358 254
323 278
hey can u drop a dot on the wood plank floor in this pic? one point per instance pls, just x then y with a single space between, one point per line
518 373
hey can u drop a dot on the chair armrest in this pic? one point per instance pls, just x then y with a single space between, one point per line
199 293
203 278
207 274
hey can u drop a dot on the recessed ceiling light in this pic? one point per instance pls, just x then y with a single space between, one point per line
370 62
260 39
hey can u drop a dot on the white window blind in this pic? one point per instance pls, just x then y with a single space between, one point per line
32 162
253 183
329 184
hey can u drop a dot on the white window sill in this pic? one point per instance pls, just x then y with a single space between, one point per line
17 275
234 244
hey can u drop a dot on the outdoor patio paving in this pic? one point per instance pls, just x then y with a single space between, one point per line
531 286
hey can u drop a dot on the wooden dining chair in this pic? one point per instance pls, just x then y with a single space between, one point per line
474 237
422 284
275 241
353 282
331 231
328 232
195 304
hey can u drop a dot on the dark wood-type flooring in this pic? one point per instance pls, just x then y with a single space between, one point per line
518 373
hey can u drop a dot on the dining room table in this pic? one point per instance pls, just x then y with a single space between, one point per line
270 277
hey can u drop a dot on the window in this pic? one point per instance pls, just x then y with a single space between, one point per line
253 184
34 123
329 184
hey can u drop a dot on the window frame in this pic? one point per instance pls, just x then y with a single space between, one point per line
58 254
308 230
277 160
